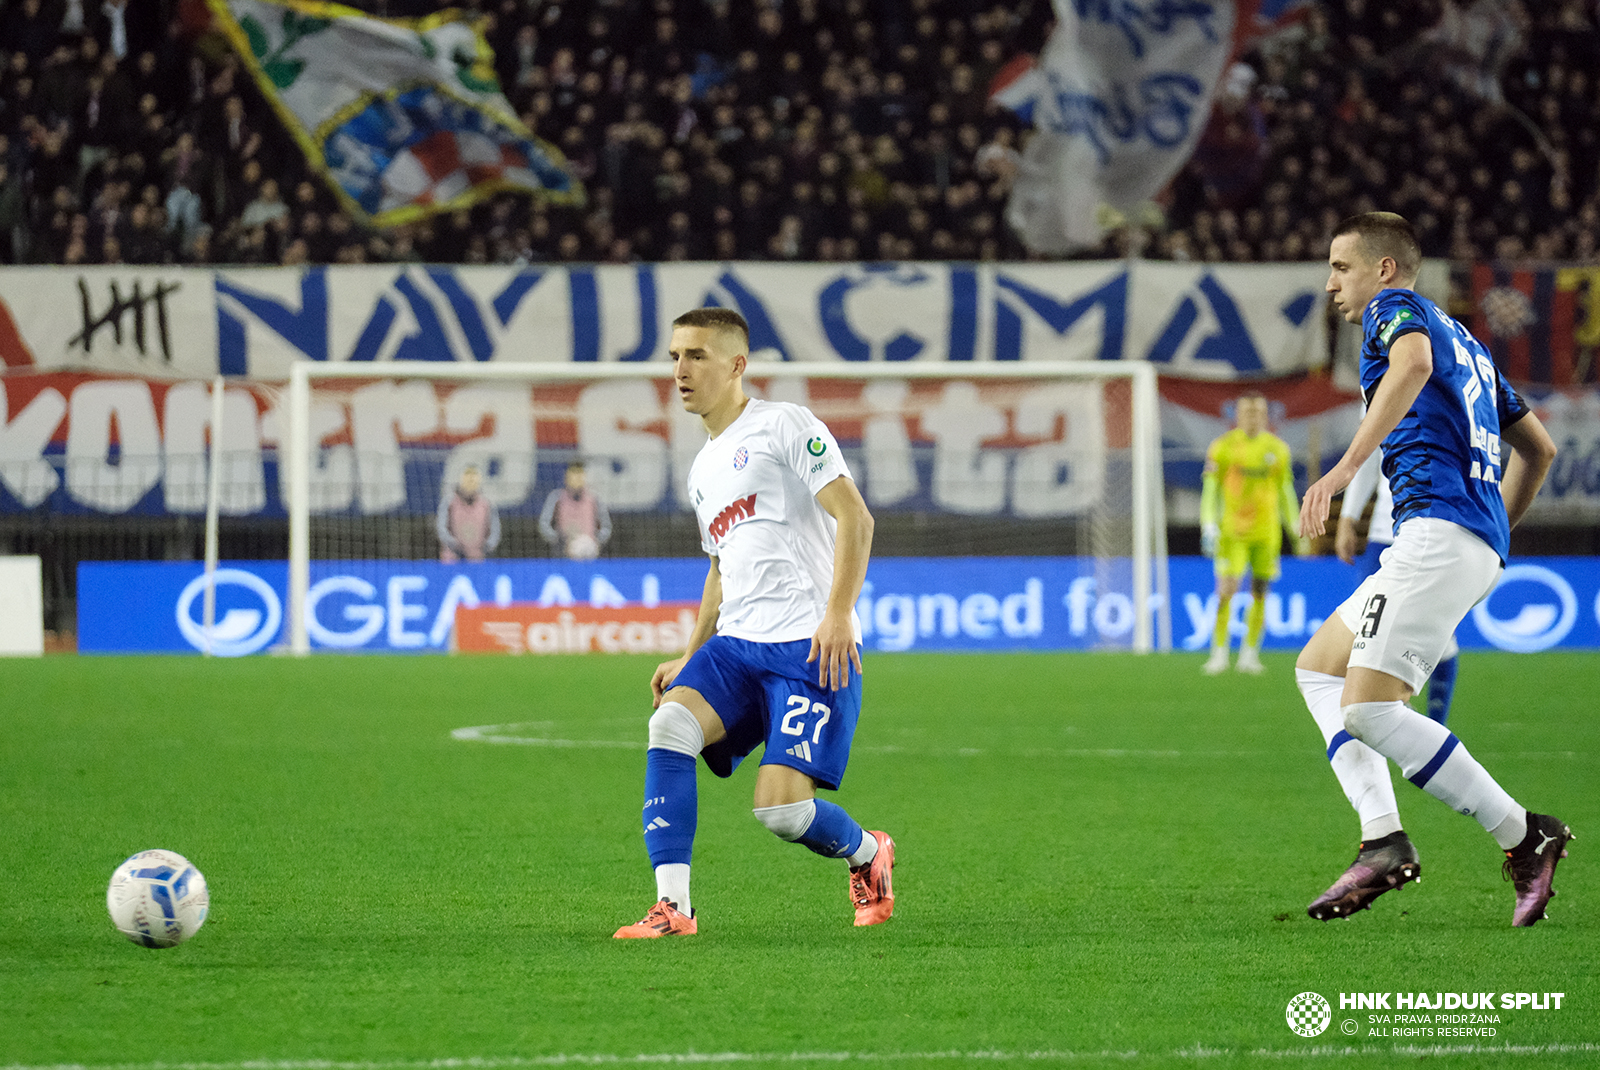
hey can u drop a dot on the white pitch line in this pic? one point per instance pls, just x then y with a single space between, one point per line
1196 1052
508 735
504 734
1323 1051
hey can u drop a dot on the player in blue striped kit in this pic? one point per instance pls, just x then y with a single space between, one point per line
1440 411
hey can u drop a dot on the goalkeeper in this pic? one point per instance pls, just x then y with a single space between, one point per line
1247 495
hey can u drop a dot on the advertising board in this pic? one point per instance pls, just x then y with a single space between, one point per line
933 604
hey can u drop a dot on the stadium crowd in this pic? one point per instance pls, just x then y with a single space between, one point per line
808 130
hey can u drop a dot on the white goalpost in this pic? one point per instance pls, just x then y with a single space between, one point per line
1020 459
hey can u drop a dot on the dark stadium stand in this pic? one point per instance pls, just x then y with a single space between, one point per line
807 130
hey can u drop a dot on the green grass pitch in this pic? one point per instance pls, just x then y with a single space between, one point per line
1103 860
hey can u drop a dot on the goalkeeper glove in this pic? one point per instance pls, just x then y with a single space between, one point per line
1208 540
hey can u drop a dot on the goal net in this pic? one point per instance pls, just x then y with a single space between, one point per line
1026 460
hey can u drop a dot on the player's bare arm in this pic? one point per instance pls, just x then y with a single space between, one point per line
1410 365
834 645
1532 453
705 626
1345 540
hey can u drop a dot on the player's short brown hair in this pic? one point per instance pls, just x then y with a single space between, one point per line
725 319
1385 234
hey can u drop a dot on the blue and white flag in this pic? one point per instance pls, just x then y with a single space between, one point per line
1119 99
402 116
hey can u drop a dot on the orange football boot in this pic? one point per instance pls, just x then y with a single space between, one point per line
872 885
664 919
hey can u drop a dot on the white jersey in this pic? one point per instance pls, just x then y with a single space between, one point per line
754 491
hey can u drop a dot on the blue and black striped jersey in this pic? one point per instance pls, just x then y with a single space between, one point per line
1443 459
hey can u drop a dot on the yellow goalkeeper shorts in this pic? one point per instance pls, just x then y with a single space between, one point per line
1259 556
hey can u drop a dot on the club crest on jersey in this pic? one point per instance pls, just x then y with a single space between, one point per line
816 447
737 510
741 457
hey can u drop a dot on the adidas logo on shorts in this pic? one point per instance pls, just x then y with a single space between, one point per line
801 750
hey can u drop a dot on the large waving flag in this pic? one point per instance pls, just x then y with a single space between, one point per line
402 116
1119 99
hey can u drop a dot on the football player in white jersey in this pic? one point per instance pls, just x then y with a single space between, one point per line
774 659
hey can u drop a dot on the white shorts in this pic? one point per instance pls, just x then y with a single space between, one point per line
1405 614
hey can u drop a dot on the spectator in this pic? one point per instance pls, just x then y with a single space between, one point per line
233 135
30 31
13 216
267 207
574 521
468 524
112 31
146 243
198 251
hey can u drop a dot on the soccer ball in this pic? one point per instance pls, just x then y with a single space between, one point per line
158 899
583 548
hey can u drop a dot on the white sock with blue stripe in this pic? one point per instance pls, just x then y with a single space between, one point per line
1362 771
1433 759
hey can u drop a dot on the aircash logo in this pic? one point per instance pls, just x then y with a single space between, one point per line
816 447
739 509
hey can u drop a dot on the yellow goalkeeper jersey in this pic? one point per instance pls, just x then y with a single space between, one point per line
1256 483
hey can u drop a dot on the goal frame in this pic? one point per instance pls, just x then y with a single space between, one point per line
1151 588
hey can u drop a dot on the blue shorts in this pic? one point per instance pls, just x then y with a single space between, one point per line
766 693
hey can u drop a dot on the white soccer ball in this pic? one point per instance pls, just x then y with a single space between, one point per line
583 548
158 899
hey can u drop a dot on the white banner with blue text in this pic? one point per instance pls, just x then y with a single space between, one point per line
1216 321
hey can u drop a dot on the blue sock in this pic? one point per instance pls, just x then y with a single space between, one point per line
1440 688
671 806
833 833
